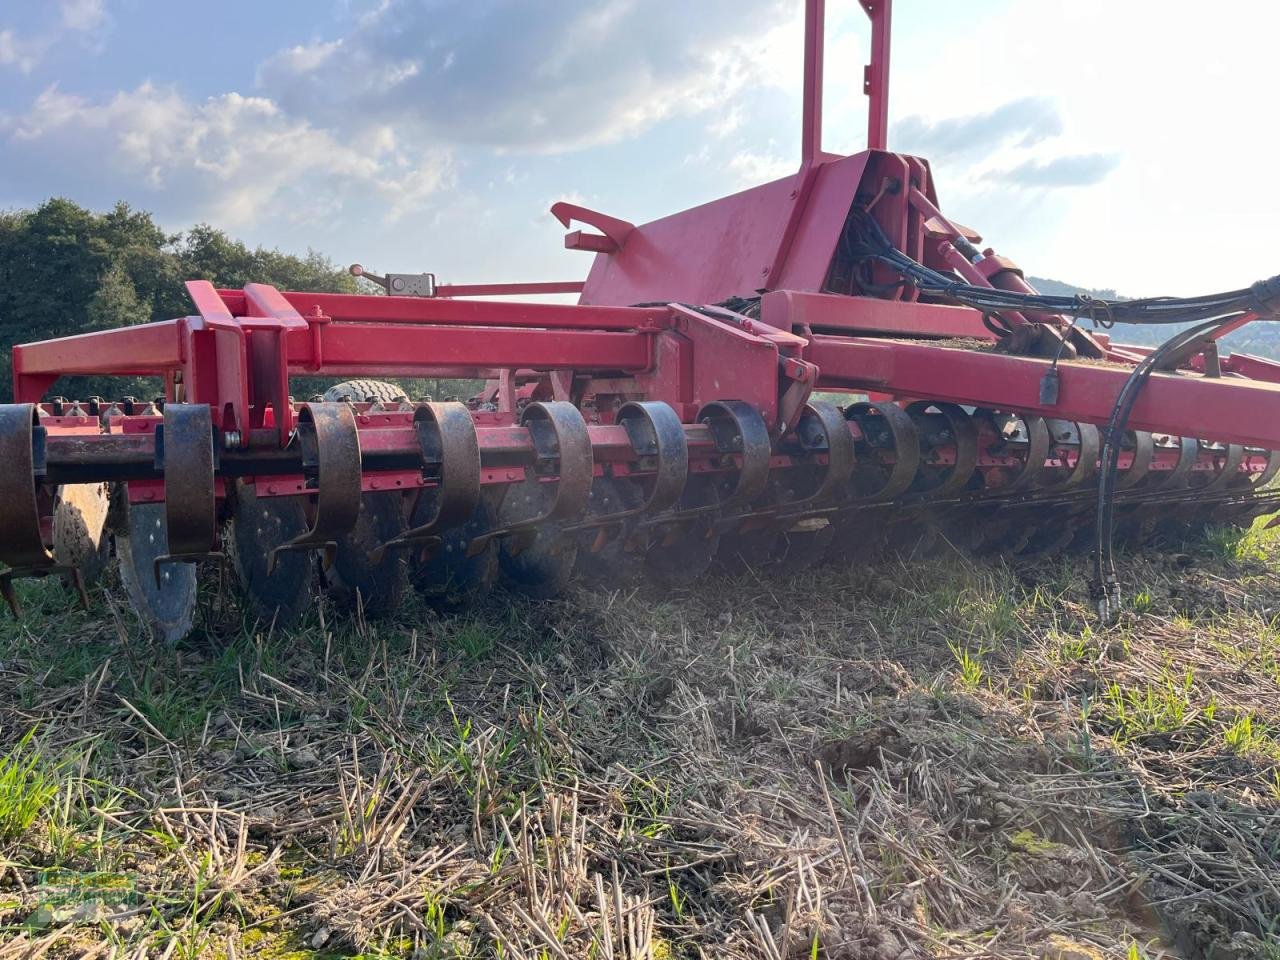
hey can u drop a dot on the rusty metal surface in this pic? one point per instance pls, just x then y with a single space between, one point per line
330 448
352 579
184 452
164 597
562 448
1226 471
569 446
939 425
278 593
1067 440
21 458
886 429
658 439
451 457
1144 450
741 432
80 537
823 430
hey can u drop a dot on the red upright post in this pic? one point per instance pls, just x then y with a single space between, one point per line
814 29
875 78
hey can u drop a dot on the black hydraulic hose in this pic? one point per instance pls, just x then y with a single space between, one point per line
1262 298
1210 313
1105 586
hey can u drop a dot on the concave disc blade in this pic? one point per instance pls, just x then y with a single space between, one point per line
353 579
448 579
167 607
605 558
804 545
258 526
676 556
80 536
538 563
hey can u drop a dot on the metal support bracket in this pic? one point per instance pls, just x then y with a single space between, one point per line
451 457
330 447
185 456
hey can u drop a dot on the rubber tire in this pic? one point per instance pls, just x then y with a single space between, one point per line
364 391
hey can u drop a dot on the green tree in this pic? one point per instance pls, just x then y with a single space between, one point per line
66 270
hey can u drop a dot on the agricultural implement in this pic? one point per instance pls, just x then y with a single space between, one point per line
679 416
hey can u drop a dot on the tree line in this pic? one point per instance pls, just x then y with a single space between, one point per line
66 270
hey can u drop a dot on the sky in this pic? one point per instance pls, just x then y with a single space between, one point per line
1108 143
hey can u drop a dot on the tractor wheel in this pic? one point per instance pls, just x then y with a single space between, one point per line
364 391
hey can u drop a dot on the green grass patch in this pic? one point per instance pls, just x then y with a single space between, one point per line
29 787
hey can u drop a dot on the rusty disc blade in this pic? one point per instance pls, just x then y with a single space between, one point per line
165 604
259 525
447 578
80 537
353 580
605 558
538 562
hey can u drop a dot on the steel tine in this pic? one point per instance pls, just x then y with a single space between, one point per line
185 456
559 435
449 444
330 445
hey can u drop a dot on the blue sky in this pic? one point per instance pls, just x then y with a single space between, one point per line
1104 142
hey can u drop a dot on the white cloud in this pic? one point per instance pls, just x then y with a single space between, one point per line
750 169
19 53
83 16
523 77
233 159
79 17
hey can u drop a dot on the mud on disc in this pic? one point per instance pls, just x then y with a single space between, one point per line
610 564
166 607
80 535
677 556
259 525
539 564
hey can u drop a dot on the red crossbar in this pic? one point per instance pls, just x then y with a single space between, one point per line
1228 410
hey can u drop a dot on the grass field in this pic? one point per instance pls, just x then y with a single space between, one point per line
935 759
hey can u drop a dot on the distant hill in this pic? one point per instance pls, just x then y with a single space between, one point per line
1259 339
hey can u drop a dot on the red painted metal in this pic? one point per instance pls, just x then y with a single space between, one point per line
875 83
1229 410
794 310
811 116
507 289
748 305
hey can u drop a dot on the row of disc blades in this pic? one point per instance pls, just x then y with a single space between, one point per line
916 482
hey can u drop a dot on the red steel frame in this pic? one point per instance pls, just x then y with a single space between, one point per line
238 349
